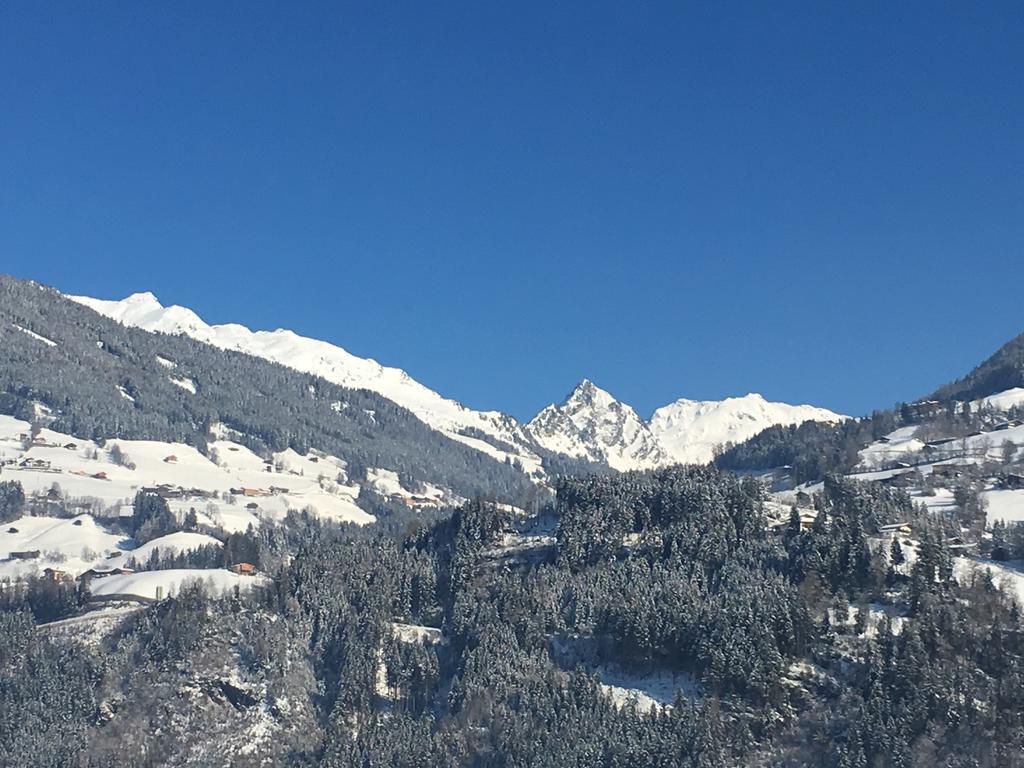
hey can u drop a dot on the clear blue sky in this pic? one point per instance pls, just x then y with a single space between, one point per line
823 204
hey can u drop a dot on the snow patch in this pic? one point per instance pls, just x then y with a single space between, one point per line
36 336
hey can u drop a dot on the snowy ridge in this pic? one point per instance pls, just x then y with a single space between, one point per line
592 424
690 430
589 424
143 310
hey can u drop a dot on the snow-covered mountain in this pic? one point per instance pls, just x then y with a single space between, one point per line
493 433
689 430
589 424
592 424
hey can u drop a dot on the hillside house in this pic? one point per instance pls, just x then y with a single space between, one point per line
251 492
807 518
100 572
243 569
948 471
55 575
28 554
958 544
892 529
172 459
71 446
35 464
903 479
165 491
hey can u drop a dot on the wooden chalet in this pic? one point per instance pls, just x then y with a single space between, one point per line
28 554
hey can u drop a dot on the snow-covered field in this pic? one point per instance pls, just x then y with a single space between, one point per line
171 544
906 445
646 692
1008 576
155 585
72 545
1007 506
230 489
83 469
1003 401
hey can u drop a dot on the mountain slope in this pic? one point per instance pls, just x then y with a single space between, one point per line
100 379
490 432
1002 371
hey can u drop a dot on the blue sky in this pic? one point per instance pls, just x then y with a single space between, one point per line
821 203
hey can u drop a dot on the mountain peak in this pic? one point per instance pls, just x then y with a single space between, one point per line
591 424
588 392
143 298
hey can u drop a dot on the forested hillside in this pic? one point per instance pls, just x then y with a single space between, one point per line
1003 370
101 380
475 641
813 449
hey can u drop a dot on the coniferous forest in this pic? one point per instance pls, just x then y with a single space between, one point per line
472 640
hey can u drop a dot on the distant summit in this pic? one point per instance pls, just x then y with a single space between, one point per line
590 423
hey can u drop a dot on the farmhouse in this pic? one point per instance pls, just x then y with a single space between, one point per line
35 464
252 492
892 529
948 471
28 554
55 575
903 479
100 572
